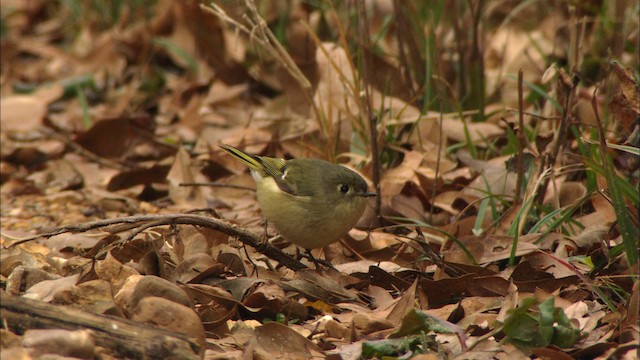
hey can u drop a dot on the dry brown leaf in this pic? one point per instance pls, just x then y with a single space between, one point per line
569 194
47 289
333 93
510 302
447 291
454 202
22 113
191 267
624 105
550 265
159 287
125 139
214 306
60 175
194 240
408 207
604 207
509 51
274 340
480 133
71 242
394 179
268 297
208 39
169 315
24 277
404 305
94 296
330 289
490 248
494 179
184 170
110 269
362 266
530 279
143 176
634 302
146 100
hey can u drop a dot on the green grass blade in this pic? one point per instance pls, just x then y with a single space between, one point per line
477 227
628 230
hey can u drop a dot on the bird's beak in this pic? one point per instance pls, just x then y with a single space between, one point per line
368 194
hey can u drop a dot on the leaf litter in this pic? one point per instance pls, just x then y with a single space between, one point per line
120 115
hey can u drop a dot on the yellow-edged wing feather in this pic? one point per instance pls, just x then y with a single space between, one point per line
264 166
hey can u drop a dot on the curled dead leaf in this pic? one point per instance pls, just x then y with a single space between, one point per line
169 315
24 277
46 290
94 296
274 340
568 194
624 105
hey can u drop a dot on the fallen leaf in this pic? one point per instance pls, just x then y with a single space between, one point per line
22 113
47 289
273 340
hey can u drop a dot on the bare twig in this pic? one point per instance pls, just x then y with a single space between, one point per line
436 258
520 138
262 35
373 119
476 60
125 338
567 87
437 174
534 115
143 222
402 48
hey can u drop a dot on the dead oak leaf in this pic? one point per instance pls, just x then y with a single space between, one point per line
624 104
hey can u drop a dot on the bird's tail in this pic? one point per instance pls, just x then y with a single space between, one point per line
252 161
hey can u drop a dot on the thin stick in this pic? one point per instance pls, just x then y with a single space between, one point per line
402 48
261 34
560 134
537 116
373 126
521 139
124 339
435 183
140 221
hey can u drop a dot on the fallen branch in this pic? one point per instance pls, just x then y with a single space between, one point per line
125 338
141 223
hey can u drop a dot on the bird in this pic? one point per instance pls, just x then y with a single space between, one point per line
311 202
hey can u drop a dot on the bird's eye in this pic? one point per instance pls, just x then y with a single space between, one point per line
344 189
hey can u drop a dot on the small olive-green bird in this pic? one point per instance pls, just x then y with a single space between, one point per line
311 202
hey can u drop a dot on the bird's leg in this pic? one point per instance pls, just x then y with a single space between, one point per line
265 234
265 239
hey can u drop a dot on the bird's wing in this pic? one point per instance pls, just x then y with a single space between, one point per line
277 169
